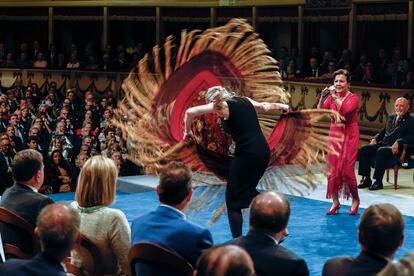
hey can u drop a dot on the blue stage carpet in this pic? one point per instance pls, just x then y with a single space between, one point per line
312 235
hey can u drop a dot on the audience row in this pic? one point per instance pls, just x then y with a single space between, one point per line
119 59
387 67
380 231
390 69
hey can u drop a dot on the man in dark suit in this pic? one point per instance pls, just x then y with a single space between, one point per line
6 157
380 234
312 70
167 225
22 198
387 143
58 231
269 216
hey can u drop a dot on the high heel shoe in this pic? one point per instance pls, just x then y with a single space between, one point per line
333 210
353 212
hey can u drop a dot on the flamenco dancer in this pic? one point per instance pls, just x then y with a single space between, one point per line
167 91
239 119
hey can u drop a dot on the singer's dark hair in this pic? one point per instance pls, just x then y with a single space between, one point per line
343 72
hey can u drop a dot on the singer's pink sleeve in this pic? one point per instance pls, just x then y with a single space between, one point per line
349 105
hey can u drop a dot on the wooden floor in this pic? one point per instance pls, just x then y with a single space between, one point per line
405 183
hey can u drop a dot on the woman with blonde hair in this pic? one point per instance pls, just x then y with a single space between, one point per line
107 228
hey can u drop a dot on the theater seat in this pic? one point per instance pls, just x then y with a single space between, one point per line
18 223
405 161
149 259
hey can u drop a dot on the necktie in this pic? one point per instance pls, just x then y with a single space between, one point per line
397 121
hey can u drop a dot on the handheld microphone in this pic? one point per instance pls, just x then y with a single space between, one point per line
330 90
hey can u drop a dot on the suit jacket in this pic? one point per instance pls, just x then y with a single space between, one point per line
42 264
168 228
364 264
270 258
27 204
403 132
6 179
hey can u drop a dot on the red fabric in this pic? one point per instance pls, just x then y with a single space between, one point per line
341 168
211 149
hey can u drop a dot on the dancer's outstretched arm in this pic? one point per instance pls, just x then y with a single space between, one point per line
194 112
265 106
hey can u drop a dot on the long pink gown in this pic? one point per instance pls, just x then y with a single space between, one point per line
341 168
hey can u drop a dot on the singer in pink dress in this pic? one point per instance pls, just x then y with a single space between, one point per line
341 165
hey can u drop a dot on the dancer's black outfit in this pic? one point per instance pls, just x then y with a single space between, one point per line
251 158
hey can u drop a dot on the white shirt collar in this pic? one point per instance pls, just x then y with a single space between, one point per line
31 187
175 209
273 238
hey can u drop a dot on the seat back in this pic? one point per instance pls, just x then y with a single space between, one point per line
152 259
94 254
15 221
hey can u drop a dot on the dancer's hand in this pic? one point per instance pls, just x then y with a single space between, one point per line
373 141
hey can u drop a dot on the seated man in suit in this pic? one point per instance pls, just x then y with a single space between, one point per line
387 143
269 216
58 231
225 260
167 225
22 198
380 234
6 157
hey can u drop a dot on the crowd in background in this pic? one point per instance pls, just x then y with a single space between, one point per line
387 66
67 127
88 58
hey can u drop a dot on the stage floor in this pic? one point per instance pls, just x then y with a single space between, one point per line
402 198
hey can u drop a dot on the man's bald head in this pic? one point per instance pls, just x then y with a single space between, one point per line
269 212
58 228
226 260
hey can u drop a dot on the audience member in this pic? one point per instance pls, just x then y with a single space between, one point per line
391 76
79 162
345 60
33 143
40 61
57 173
229 260
398 130
167 225
312 70
107 228
269 216
124 166
380 234
330 71
6 157
9 61
58 231
402 267
359 70
23 197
